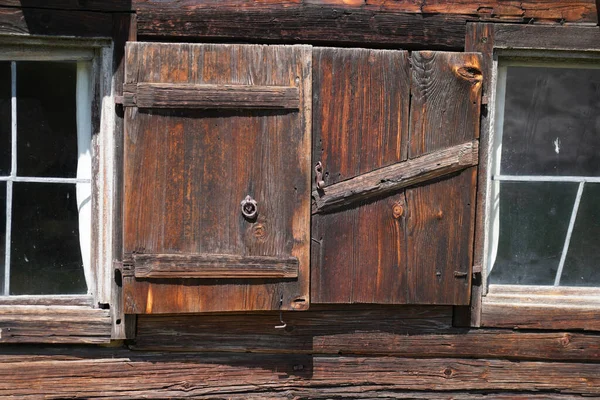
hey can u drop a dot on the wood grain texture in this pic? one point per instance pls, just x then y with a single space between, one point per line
211 266
480 38
446 96
361 124
299 22
33 21
520 315
390 179
440 240
546 37
75 5
417 331
217 375
54 324
360 110
185 95
186 172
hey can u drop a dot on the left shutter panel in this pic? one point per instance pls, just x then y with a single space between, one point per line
206 126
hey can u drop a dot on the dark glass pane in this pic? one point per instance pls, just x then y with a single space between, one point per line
2 233
5 122
582 265
46 119
534 217
551 122
46 257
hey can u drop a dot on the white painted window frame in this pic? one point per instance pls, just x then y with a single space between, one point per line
552 296
94 57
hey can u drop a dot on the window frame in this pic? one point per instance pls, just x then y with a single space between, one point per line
522 306
75 318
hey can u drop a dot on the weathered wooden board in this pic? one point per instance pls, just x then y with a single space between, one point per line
155 375
186 95
416 331
54 324
444 111
446 96
361 123
86 5
54 22
426 24
186 172
539 316
546 37
299 22
392 178
124 30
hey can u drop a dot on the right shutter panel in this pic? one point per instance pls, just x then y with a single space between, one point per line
445 105
394 222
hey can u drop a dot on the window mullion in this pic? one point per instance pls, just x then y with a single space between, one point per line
563 256
13 174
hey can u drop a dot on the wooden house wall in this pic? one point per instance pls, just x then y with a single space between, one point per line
341 351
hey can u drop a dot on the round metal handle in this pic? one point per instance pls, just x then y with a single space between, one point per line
249 207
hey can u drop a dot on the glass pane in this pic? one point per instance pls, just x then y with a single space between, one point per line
5 123
2 232
582 265
534 217
46 257
46 119
551 122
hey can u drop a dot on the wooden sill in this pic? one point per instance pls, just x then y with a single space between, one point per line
44 323
539 307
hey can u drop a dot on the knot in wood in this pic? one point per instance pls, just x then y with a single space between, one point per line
448 372
565 340
398 210
260 231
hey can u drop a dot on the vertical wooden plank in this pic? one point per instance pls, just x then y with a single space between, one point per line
360 105
124 30
190 169
446 94
360 101
480 38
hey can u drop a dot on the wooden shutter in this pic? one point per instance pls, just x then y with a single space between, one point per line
206 126
397 138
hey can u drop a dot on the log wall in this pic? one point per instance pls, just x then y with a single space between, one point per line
330 351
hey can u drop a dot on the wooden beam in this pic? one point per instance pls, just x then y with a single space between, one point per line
409 331
212 266
394 177
133 374
186 95
299 22
75 5
54 324
32 21
568 38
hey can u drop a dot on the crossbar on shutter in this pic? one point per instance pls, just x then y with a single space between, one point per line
185 95
210 266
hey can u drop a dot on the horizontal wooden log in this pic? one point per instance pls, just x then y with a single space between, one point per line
211 266
75 5
34 21
54 324
48 300
385 331
567 38
155 375
299 22
518 315
390 179
184 95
